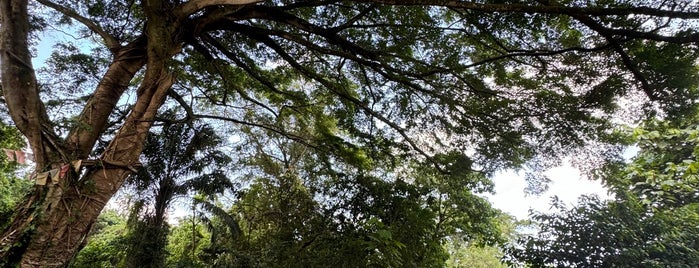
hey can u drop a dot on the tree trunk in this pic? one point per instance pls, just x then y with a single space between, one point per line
62 214
52 223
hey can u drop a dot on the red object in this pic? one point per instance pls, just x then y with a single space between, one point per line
10 154
20 157
64 170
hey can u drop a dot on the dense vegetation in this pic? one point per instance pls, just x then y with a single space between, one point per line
345 133
651 222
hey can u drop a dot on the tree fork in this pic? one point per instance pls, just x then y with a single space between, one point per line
63 214
53 222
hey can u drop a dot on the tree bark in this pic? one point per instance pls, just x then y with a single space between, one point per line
19 84
49 227
62 214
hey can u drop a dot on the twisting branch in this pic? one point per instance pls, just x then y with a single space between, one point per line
246 67
187 108
193 6
547 9
339 92
240 91
589 22
354 19
111 41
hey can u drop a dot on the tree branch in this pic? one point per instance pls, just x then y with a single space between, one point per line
332 87
19 85
95 116
546 9
589 22
246 67
112 43
262 126
193 6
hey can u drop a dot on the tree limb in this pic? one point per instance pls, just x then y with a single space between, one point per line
296 138
630 65
546 9
332 87
94 117
112 43
192 6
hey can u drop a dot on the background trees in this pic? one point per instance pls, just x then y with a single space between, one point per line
651 222
622 232
373 88
12 188
179 160
107 244
300 210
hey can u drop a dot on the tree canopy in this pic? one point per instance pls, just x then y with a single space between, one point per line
453 90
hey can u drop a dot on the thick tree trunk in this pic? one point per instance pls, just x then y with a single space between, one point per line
62 214
53 222
49 227
69 214
19 86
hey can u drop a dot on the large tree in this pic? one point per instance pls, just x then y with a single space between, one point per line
499 83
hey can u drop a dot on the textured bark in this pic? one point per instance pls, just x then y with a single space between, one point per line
19 81
127 61
68 209
68 222
50 226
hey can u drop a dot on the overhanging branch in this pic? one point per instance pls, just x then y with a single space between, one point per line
330 86
112 43
291 136
546 9
193 6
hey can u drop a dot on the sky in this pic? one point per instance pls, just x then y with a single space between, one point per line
566 183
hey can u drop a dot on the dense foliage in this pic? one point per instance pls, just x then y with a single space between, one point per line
297 211
107 244
12 186
179 160
651 222
359 132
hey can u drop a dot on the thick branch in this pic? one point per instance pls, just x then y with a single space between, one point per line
193 6
95 116
19 85
547 9
112 43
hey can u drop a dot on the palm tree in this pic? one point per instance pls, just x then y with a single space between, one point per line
181 158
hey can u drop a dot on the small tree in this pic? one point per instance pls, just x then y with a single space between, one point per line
179 160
